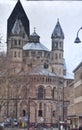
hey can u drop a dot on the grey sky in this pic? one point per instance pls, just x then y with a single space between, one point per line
43 15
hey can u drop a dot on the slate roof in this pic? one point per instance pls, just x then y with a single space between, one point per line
78 66
35 46
16 28
41 71
34 37
18 13
34 34
58 32
68 76
34 43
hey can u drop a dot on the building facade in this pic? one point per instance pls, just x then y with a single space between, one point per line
75 107
38 87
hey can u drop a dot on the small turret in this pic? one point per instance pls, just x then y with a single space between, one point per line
18 31
34 37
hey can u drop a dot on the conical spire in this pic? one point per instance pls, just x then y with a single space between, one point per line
18 13
57 32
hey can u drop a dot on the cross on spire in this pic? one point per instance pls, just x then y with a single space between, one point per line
34 29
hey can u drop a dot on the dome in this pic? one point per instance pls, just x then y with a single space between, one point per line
34 43
35 46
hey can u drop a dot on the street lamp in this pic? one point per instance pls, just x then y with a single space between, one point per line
63 101
61 82
77 40
28 122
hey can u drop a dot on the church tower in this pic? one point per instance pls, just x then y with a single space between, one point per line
57 50
18 32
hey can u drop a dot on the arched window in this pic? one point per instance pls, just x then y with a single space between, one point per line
59 55
45 65
19 42
56 56
40 112
56 45
15 54
41 92
54 93
19 54
15 42
24 113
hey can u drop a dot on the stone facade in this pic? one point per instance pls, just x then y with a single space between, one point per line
75 107
38 83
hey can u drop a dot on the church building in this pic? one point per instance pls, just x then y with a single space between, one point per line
39 89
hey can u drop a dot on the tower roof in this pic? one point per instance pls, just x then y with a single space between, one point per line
16 28
34 37
41 71
34 43
18 13
34 34
35 47
57 32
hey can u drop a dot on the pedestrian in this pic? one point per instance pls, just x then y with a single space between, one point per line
76 127
80 127
1 127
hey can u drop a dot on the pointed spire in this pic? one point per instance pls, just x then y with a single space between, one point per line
18 13
58 20
34 29
18 1
57 32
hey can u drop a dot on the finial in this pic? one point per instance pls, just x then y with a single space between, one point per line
34 29
58 19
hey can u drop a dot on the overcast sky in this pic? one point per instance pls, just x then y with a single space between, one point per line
43 15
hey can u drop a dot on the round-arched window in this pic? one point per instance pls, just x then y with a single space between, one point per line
40 92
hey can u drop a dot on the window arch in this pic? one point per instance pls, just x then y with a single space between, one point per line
24 112
15 54
45 65
54 93
56 56
40 92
